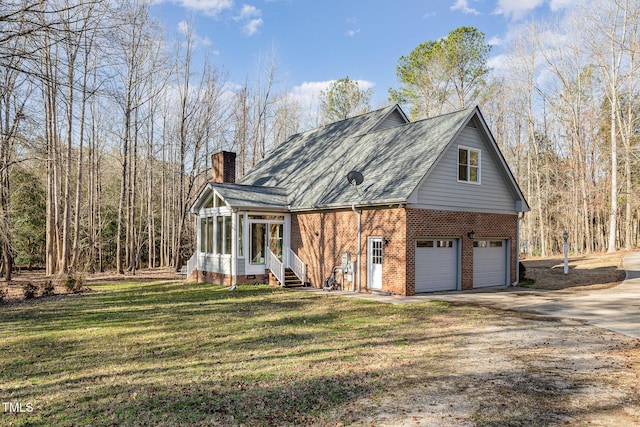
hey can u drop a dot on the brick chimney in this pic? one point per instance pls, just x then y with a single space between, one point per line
223 167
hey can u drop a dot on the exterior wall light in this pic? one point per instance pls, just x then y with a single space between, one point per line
471 234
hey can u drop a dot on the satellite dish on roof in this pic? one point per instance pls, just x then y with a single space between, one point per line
355 178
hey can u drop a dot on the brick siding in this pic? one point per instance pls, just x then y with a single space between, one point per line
321 238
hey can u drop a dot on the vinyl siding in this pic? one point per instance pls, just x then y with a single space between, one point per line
442 191
215 263
394 119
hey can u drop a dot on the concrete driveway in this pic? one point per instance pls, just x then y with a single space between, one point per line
616 309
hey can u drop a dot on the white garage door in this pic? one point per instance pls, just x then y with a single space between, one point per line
489 263
436 265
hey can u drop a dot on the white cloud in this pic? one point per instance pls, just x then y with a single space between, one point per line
353 23
183 28
517 9
188 31
495 41
498 62
463 6
209 7
250 16
252 27
556 5
365 84
308 92
249 11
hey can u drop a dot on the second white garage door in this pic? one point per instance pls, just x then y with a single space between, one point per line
436 265
489 263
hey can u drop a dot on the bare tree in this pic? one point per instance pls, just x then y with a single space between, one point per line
14 93
608 29
134 44
199 118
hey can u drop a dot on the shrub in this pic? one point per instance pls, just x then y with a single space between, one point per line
70 283
79 282
74 283
30 290
49 289
522 273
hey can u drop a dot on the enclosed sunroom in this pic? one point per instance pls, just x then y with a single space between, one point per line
243 232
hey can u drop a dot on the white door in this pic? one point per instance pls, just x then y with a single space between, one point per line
436 265
263 235
375 263
489 263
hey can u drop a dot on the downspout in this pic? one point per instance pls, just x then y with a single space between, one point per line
353 207
520 218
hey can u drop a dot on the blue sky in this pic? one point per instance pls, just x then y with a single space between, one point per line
317 41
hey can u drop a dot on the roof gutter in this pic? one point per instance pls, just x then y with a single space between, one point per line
381 203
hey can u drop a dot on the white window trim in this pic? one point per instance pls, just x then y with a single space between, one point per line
469 149
204 215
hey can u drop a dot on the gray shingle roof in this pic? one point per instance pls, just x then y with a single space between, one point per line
311 167
249 196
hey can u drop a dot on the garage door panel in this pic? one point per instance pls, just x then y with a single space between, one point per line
436 265
489 263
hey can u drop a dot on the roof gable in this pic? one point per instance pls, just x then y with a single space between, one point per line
237 196
395 117
496 190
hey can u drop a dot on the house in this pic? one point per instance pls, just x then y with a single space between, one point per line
438 208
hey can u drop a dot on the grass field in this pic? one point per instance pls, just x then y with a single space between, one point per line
165 353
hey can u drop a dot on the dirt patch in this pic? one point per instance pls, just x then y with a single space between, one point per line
586 272
512 371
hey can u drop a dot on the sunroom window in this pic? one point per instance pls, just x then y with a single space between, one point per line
240 234
216 235
206 234
227 235
203 234
219 234
223 235
210 235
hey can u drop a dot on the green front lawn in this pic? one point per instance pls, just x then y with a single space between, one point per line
166 353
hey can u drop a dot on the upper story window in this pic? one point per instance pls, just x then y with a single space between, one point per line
468 165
